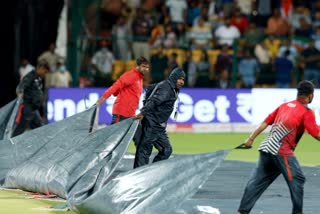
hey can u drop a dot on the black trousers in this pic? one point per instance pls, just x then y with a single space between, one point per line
268 169
152 137
30 119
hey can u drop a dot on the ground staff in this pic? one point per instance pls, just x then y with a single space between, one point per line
289 121
154 115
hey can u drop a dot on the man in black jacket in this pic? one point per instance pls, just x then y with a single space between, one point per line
30 89
154 115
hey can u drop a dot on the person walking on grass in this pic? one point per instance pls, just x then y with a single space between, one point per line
289 122
159 104
127 89
30 89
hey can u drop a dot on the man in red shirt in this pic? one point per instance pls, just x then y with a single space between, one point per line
289 122
127 89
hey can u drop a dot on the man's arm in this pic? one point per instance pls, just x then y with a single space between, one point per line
311 125
157 98
116 87
255 133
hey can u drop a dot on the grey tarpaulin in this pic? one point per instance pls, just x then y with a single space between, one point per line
48 140
8 115
161 187
74 162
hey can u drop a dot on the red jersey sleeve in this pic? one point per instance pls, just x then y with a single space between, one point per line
125 80
309 122
271 117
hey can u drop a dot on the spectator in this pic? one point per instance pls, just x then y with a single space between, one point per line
62 77
193 11
201 36
273 46
253 35
141 32
248 69
173 62
245 7
204 71
102 62
203 15
178 9
157 36
288 46
181 36
224 60
169 40
239 21
261 11
316 37
316 22
226 6
265 77
50 56
277 26
25 68
223 79
164 15
159 65
227 33
121 34
30 89
284 71
300 12
304 29
190 67
310 58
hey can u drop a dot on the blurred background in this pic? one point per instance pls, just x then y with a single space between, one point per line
219 43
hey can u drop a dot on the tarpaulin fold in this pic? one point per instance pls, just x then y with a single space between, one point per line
38 146
155 188
80 167
8 115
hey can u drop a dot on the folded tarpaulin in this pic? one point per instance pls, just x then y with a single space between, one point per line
161 187
8 114
72 163
40 142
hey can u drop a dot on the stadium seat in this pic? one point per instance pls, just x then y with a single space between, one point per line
129 65
196 55
118 69
212 55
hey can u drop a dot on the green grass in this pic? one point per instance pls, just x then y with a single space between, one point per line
17 202
307 152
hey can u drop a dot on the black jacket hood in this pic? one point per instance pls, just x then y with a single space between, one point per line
175 75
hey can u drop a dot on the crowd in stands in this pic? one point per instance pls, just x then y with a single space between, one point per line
219 43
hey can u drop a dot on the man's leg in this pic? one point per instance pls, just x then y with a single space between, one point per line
293 174
265 173
144 148
163 146
138 135
25 121
37 120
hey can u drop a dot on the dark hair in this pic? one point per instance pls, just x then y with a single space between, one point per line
141 60
305 87
44 64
